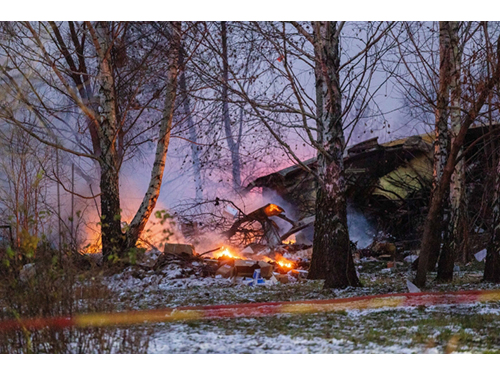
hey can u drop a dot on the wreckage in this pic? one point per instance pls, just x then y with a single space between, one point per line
389 183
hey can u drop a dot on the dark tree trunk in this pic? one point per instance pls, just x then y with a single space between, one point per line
112 235
492 266
332 258
447 256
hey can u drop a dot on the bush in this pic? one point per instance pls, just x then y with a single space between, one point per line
57 286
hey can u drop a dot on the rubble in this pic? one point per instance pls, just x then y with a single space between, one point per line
247 267
481 255
179 249
225 271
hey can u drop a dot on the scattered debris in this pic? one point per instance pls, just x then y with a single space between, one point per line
481 255
412 288
225 271
177 248
411 258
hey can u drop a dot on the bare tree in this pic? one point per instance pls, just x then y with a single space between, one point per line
285 107
432 234
24 202
106 71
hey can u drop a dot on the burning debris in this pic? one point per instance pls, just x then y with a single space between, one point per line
244 264
260 258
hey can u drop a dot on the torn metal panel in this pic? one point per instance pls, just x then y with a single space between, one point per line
369 169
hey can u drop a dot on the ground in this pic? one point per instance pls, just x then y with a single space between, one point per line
449 328
472 328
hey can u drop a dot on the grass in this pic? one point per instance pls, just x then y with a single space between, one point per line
59 290
413 329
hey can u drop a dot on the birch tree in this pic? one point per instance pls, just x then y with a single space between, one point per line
454 224
287 109
89 64
432 234
233 140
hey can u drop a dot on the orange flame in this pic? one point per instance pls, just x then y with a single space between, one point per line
284 263
273 210
225 251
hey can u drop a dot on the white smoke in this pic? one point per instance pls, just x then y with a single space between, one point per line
360 230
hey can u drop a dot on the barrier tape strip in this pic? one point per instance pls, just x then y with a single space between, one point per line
253 310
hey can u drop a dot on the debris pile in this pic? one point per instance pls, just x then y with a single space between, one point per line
259 265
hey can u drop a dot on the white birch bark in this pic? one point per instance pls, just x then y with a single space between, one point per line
234 146
150 198
193 137
457 187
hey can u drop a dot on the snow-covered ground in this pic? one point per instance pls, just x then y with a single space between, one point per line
349 334
436 329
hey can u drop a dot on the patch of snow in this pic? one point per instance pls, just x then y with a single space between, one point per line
180 338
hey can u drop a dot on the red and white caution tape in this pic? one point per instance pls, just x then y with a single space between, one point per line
253 310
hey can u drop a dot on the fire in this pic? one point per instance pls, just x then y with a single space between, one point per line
225 251
284 263
273 210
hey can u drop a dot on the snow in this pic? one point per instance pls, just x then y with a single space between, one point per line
209 337
383 330
180 338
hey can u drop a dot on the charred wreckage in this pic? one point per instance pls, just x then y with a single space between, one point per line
388 183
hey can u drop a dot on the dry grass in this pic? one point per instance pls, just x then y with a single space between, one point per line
60 288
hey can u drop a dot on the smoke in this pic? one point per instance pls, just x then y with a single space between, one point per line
179 187
361 231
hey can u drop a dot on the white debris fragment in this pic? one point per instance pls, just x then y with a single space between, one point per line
232 211
247 251
27 272
411 258
481 255
412 287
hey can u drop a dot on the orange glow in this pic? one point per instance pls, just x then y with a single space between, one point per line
284 263
225 251
94 244
289 242
273 210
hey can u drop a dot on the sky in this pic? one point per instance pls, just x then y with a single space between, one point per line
135 176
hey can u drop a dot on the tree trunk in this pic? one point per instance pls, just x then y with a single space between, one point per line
492 266
431 229
453 223
332 258
191 128
234 147
148 204
111 233
442 141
